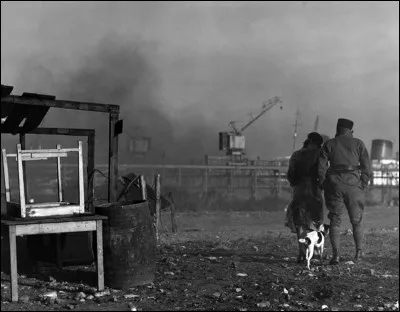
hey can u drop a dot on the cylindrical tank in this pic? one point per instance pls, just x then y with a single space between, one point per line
381 149
129 242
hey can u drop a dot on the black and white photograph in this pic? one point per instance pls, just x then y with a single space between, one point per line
200 155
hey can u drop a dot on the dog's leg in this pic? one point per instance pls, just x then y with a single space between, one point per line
310 255
321 258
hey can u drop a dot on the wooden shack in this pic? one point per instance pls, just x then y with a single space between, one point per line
34 107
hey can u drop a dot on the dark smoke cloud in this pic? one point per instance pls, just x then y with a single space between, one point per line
202 64
120 72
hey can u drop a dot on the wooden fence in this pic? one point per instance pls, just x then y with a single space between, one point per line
202 178
250 181
245 181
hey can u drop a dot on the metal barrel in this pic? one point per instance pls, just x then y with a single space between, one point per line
129 242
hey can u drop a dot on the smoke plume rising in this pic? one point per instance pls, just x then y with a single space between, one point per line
182 71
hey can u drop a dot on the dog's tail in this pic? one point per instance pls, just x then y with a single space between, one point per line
305 241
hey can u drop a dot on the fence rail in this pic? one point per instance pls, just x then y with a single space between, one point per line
248 181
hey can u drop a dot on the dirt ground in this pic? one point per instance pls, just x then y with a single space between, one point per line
237 262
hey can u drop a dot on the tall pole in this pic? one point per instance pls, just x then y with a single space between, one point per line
295 129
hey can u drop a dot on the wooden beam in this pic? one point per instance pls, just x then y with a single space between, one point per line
22 141
52 219
143 188
41 156
90 170
209 167
81 179
112 158
60 131
13 263
6 176
21 182
53 211
59 177
93 107
50 152
99 253
157 189
53 228
48 205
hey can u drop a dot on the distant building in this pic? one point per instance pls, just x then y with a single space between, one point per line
385 172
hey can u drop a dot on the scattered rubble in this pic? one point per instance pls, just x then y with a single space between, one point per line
131 296
24 299
265 304
264 286
102 293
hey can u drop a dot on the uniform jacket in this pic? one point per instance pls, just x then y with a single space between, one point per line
344 150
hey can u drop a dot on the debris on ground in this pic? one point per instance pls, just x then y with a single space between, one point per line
257 281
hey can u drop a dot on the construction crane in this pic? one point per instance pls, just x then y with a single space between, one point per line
233 142
316 124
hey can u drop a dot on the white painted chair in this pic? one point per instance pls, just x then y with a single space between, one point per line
43 209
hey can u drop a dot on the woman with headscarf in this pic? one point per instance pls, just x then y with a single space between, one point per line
307 202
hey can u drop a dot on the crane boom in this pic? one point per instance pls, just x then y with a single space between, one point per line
316 124
266 107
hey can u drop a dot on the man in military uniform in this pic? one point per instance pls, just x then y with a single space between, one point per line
344 181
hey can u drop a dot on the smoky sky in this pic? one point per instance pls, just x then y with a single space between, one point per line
182 70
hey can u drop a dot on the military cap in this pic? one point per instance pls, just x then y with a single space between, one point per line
345 123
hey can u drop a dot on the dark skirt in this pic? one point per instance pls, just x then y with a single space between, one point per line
307 205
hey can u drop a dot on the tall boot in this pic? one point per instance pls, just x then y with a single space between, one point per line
334 235
358 238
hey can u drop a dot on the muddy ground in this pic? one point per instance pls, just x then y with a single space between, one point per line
236 262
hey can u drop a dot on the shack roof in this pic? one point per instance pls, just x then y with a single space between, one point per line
33 108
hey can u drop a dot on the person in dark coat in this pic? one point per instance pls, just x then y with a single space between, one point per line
307 203
344 181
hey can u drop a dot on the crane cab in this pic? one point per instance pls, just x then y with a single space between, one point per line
231 142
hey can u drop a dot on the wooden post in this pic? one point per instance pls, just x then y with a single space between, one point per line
157 189
13 262
143 188
6 176
205 181
173 219
230 184
81 183
59 177
90 170
60 199
99 264
180 176
21 182
254 189
22 141
112 158
228 175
